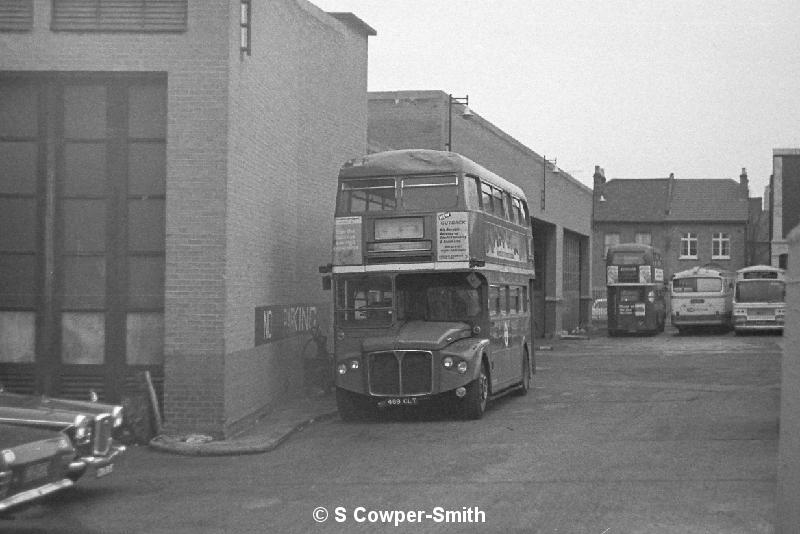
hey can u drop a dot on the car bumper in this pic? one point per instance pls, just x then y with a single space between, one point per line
99 466
34 493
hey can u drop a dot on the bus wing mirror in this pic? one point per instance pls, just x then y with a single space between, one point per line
326 283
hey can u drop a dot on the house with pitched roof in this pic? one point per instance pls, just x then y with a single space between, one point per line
694 222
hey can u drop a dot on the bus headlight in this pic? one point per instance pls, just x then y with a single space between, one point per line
341 369
462 367
780 312
9 457
447 362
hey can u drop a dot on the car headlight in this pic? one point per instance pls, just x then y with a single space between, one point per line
780 311
739 311
116 413
83 429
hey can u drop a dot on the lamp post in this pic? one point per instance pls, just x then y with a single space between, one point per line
462 101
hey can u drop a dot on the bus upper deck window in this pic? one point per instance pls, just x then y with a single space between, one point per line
430 192
374 194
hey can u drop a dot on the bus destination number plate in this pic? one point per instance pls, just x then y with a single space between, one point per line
402 401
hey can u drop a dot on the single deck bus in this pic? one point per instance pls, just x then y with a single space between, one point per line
702 297
759 299
432 276
635 289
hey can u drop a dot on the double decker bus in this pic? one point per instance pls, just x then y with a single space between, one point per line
432 276
635 289
702 297
759 299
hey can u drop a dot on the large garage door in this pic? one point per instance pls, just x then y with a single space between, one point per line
82 210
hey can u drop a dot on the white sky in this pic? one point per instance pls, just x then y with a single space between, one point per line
641 88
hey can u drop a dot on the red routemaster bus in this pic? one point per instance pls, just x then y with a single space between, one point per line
431 275
635 284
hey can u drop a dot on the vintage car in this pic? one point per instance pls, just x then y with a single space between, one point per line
90 426
34 462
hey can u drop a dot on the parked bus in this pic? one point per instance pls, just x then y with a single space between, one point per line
702 297
759 299
635 288
432 277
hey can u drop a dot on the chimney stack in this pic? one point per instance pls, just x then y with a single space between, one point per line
744 183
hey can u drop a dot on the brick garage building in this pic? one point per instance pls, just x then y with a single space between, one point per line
693 222
559 205
166 196
784 202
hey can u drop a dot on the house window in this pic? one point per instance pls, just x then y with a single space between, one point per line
16 15
120 15
608 241
689 246
643 238
721 246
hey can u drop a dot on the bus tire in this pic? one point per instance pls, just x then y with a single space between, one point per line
351 406
525 383
477 395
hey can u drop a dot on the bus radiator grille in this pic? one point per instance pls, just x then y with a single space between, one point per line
401 372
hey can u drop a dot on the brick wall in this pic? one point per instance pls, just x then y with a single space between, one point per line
298 111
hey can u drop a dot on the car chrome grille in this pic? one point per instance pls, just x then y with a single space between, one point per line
103 427
400 372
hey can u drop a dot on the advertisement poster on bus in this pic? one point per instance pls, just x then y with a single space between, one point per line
452 236
347 241
504 244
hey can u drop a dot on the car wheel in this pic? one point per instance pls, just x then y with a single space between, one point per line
477 395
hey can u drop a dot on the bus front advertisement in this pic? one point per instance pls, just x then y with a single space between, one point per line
432 274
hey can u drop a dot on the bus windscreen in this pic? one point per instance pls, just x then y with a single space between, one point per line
760 291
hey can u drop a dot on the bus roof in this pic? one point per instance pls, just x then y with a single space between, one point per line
756 268
415 161
702 271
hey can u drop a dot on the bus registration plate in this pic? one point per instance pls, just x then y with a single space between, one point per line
402 401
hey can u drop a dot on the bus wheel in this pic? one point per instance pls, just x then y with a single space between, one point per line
477 395
351 406
525 384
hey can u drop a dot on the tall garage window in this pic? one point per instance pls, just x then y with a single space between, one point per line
18 221
16 15
82 231
120 15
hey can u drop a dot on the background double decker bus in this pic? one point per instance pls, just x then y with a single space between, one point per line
759 299
635 289
701 297
432 275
